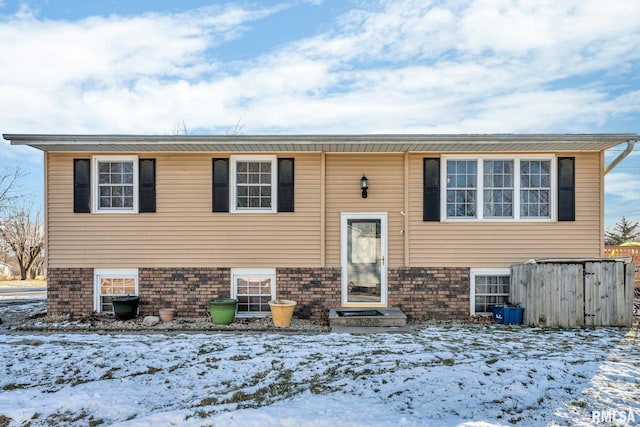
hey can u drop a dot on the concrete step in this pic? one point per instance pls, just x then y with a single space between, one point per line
367 318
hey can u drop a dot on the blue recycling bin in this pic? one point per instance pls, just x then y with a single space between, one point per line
507 315
512 315
498 313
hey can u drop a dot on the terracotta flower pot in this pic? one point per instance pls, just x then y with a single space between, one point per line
282 312
167 314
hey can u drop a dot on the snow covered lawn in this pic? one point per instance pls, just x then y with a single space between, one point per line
440 376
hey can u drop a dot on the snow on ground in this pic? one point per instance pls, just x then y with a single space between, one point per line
18 309
436 376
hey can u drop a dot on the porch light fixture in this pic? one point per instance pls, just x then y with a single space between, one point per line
364 186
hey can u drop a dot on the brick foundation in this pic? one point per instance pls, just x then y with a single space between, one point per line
422 293
315 290
69 290
430 293
186 289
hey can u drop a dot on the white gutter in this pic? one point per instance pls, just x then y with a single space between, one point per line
621 157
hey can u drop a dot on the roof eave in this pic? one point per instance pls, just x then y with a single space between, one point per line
329 143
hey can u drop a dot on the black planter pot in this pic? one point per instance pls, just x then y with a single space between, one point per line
125 308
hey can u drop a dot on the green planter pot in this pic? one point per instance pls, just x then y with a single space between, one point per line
222 310
125 308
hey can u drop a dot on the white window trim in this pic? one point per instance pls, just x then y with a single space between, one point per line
94 184
483 272
516 188
116 273
251 273
274 186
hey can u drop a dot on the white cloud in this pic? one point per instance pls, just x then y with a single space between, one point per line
407 66
389 66
99 51
624 186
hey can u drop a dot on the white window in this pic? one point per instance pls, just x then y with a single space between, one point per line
253 180
489 287
535 189
113 282
253 288
498 188
497 177
461 188
115 184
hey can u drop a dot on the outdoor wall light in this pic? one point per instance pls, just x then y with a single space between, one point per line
364 186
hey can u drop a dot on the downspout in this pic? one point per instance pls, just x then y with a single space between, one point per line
621 156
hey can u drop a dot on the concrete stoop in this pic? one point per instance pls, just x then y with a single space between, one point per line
367 320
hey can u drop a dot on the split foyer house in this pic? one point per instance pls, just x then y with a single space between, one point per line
427 223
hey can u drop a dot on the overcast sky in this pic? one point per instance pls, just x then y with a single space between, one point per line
336 66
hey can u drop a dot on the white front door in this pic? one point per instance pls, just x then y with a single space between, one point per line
364 259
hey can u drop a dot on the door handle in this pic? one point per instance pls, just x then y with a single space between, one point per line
383 260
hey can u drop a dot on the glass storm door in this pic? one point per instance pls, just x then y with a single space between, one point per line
364 267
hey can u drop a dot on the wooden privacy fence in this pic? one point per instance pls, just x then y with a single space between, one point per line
626 251
568 293
620 251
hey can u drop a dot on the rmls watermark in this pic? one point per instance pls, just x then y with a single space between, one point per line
625 417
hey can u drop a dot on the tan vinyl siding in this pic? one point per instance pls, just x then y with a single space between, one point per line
183 232
386 195
500 244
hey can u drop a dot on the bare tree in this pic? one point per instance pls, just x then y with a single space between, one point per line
9 182
23 234
8 185
181 130
237 129
37 268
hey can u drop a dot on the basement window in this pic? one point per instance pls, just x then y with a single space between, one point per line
489 287
113 282
253 288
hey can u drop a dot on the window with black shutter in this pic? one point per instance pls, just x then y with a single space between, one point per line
253 183
114 184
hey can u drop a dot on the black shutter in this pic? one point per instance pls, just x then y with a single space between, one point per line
220 191
431 190
566 189
147 185
285 185
81 185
